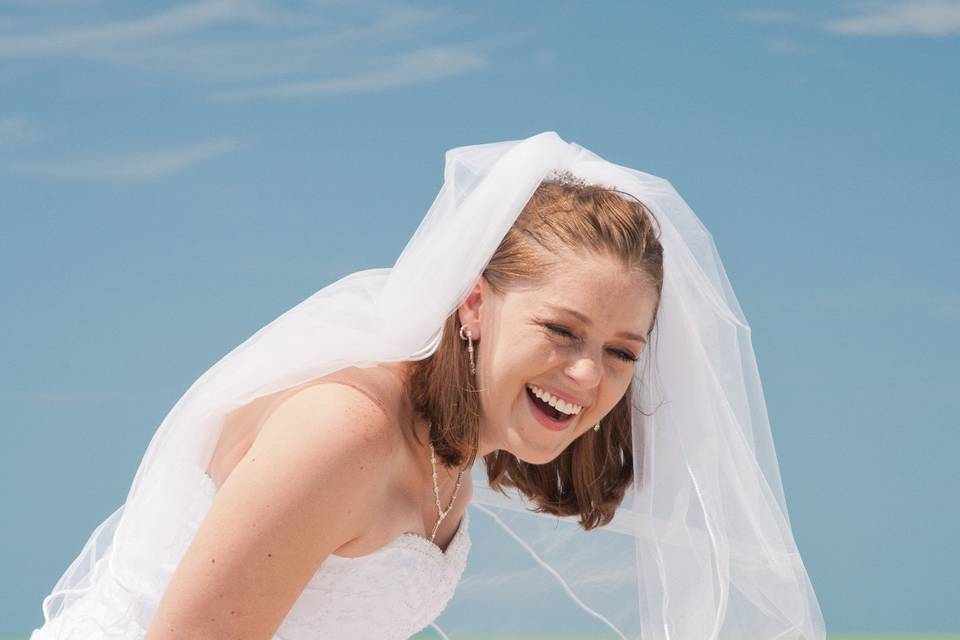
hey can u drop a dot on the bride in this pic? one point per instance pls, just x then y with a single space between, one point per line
315 482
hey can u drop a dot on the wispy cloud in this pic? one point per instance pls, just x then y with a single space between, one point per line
947 305
787 22
414 68
905 18
767 16
17 130
249 48
76 40
789 46
929 18
129 166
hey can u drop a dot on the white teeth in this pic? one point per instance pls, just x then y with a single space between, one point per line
560 405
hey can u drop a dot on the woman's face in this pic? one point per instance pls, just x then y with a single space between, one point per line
524 342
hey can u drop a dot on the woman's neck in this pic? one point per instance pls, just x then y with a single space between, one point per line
417 435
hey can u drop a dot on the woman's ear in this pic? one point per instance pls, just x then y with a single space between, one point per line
469 311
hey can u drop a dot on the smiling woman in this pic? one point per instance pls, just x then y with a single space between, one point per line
560 319
580 254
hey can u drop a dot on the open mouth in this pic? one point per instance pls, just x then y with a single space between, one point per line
547 410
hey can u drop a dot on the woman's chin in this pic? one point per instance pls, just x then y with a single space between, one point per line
531 450
532 455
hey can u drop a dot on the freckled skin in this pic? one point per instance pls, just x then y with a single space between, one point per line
345 469
315 473
515 348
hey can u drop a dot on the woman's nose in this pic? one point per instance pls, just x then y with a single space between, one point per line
585 371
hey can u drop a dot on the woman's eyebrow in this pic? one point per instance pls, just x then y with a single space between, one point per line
585 320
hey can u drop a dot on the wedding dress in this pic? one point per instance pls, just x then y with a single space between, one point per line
389 594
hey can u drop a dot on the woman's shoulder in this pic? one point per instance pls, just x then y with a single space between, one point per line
312 481
378 383
343 402
352 404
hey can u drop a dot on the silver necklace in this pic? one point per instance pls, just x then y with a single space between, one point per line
436 492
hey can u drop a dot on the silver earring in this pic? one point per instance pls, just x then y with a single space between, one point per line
596 427
469 339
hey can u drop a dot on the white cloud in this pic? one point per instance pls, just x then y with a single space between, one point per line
130 166
789 46
248 48
414 68
544 57
947 305
17 130
905 18
180 20
767 16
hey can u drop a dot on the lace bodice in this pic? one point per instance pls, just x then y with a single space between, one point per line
389 594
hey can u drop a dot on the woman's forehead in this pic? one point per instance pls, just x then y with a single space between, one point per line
591 280
626 304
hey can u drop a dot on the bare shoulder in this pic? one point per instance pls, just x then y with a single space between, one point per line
316 477
321 413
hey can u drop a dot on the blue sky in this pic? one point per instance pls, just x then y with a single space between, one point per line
174 177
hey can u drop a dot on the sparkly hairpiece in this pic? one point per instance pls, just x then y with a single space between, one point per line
564 176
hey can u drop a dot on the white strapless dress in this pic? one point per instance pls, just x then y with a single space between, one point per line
389 594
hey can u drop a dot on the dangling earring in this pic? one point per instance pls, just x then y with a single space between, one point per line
469 339
596 427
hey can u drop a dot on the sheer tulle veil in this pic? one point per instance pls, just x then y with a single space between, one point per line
701 546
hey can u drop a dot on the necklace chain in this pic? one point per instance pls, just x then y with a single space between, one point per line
436 492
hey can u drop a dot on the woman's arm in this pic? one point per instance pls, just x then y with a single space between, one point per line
314 479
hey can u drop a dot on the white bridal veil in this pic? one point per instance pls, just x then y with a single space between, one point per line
701 547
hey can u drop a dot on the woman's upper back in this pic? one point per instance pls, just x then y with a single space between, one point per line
241 426
325 470
380 385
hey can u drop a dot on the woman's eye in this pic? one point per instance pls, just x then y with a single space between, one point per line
560 330
623 355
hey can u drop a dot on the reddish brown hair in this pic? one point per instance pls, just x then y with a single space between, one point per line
590 477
